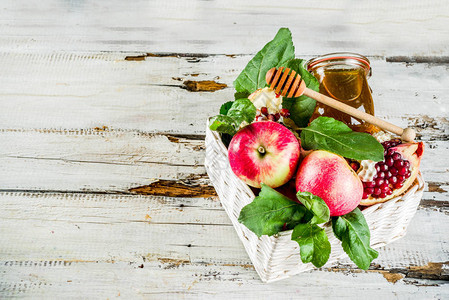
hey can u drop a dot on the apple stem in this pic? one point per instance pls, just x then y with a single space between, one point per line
261 150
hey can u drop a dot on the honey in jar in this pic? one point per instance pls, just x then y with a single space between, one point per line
344 77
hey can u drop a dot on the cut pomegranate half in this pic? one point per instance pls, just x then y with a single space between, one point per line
395 174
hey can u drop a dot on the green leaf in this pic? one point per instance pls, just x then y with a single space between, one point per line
353 231
301 108
329 134
316 205
313 243
269 211
273 54
225 107
223 124
242 110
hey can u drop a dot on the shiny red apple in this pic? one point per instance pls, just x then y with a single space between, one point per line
329 176
264 152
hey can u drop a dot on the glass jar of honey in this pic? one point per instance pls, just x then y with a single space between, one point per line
344 77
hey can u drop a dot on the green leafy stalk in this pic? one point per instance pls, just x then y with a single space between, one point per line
316 205
326 133
233 114
313 243
242 110
353 231
223 124
301 108
273 54
269 211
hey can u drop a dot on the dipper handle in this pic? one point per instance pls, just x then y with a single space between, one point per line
287 82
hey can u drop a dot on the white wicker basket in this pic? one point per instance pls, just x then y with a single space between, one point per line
277 257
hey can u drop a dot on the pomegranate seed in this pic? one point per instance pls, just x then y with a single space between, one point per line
365 195
384 187
393 179
398 164
397 185
389 161
264 111
285 113
369 191
271 117
396 156
278 95
379 181
370 184
277 116
394 171
390 174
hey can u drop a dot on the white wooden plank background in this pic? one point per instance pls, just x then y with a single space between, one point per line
231 27
93 104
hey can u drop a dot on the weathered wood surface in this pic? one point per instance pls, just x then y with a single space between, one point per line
94 90
103 245
402 28
103 193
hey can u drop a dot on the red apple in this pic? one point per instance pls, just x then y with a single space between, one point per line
264 152
330 177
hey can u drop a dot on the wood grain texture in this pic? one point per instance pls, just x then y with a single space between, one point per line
119 161
160 244
94 90
154 280
233 27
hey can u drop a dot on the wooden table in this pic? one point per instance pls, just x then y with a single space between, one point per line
103 105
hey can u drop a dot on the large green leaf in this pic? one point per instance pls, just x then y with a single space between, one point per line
353 231
269 211
334 136
313 243
273 54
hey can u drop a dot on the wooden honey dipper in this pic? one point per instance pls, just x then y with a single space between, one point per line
287 82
